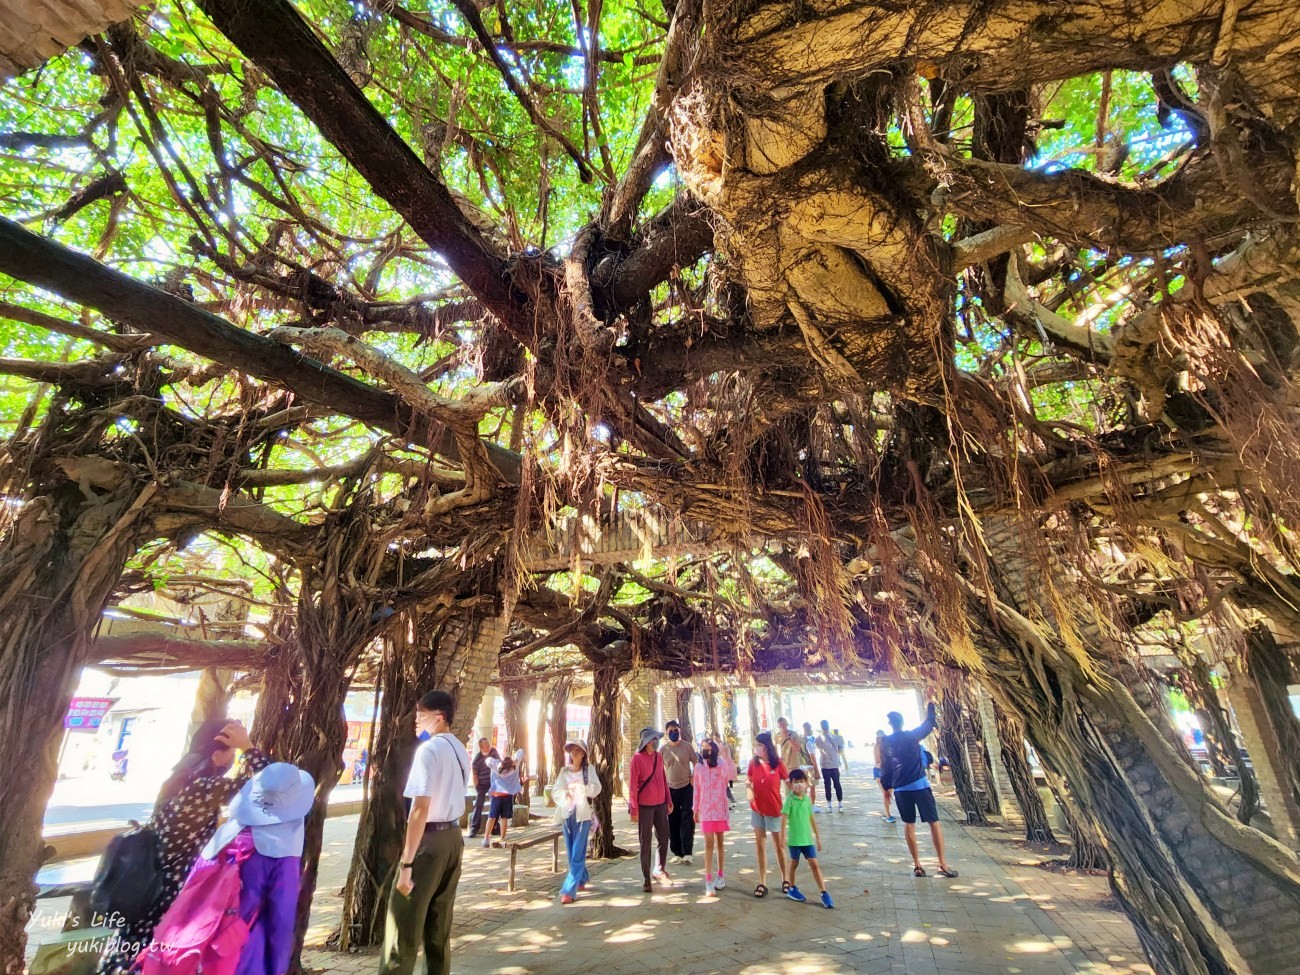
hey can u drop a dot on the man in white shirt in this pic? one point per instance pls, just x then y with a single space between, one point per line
420 906
830 751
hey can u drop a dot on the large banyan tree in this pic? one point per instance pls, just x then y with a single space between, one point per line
530 338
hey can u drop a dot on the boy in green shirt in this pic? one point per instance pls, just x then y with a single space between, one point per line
801 836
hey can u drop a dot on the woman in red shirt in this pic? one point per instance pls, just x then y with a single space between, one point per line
766 773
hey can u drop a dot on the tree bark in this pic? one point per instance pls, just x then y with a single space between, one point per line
952 744
517 697
605 715
541 762
1271 671
684 712
1011 742
58 566
557 700
1220 742
1087 849
1206 895
407 672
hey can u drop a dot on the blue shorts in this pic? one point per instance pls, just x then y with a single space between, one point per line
770 823
502 807
806 851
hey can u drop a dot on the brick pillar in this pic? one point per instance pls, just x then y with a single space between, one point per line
667 698
638 711
993 748
1262 747
483 719
470 644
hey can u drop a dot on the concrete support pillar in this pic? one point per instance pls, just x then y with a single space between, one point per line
1262 747
993 749
667 697
755 725
638 710
483 720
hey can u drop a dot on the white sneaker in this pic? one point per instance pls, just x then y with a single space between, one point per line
841 807
720 883
660 875
709 890
686 860
487 841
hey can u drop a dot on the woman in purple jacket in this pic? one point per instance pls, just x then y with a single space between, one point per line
266 820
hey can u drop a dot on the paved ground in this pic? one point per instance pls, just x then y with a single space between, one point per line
1003 915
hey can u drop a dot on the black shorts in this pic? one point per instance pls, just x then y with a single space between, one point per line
917 800
503 807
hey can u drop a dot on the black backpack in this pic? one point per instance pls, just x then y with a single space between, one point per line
129 880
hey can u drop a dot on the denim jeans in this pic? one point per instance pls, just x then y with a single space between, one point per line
576 835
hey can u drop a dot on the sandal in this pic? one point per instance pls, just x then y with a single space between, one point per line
785 886
918 871
947 872
760 890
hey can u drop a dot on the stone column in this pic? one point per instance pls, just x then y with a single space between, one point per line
1262 747
667 701
993 749
638 710
483 720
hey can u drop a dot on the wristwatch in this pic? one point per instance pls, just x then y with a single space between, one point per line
408 866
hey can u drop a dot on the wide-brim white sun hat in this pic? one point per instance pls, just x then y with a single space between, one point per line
280 793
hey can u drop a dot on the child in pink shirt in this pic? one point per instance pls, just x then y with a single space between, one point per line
712 810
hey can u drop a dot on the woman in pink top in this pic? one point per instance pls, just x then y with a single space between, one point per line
712 809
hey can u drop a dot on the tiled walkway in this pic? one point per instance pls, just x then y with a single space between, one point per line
1000 916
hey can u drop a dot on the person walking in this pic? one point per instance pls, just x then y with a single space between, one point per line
810 764
424 893
506 784
792 747
766 772
573 789
184 819
904 772
680 759
649 804
877 773
712 808
482 783
830 755
802 836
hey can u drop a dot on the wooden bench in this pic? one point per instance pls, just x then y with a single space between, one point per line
553 836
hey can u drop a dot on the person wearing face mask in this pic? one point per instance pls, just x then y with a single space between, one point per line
680 759
712 810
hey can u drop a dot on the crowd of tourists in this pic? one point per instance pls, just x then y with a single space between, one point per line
189 894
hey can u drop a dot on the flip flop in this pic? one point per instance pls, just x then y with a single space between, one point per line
946 872
760 890
918 871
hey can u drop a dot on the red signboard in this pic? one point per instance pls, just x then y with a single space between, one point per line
87 713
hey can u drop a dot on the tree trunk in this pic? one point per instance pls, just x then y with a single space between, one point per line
541 762
1087 850
605 709
407 672
684 712
1011 742
557 699
212 697
517 697
1206 894
58 566
1271 671
952 744
978 750
1220 742
729 726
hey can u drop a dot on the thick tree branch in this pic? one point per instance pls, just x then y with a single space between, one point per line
275 36
81 279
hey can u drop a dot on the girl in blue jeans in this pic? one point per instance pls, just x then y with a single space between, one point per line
573 790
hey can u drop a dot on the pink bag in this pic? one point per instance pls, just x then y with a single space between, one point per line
202 930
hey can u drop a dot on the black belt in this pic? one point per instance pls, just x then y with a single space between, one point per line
434 827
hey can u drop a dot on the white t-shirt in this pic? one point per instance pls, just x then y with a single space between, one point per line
441 772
